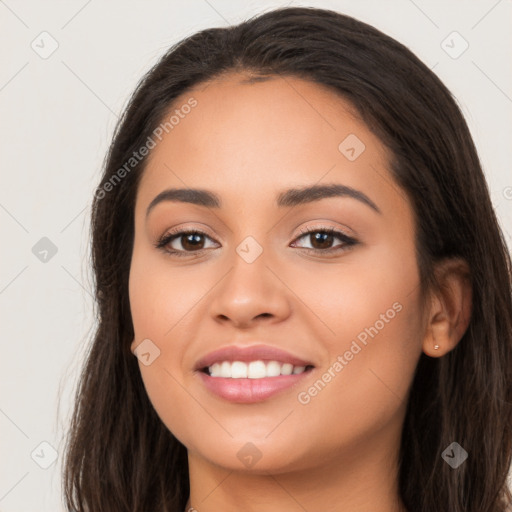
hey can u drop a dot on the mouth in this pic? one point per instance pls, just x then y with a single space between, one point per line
246 389
258 369
252 373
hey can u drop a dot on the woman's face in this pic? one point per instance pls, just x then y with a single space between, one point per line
346 304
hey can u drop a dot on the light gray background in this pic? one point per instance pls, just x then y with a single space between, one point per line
57 117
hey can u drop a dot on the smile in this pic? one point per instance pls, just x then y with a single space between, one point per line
243 389
253 369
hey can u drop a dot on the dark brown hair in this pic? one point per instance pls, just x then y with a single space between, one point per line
119 454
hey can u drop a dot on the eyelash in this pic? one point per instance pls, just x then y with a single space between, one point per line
166 239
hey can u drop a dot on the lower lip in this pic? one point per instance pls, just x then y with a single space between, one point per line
249 391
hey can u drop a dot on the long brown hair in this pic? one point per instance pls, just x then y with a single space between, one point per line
119 454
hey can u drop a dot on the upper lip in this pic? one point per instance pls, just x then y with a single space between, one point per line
250 353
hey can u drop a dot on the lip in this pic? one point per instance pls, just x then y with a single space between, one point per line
250 390
247 391
250 353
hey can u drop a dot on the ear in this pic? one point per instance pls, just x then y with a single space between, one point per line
451 306
132 347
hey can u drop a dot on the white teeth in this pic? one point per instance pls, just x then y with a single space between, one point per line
273 369
256 370
215 370
286 369
225 369
238 370
253 370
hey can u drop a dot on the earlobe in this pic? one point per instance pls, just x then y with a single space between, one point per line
451 308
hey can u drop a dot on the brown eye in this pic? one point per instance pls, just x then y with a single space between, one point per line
322 239
183 242
191 241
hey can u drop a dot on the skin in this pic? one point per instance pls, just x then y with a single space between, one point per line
246 143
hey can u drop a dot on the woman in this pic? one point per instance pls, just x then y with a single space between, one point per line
304 295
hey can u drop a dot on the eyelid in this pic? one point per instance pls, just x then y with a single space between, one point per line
310 229
180 229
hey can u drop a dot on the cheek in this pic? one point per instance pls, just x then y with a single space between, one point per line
370 323
365 385
374 289
162 296
164 302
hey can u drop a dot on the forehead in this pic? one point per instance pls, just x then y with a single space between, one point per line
262 136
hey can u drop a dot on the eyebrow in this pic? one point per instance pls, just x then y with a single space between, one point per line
287 198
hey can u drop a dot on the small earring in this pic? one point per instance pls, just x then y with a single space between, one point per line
436 347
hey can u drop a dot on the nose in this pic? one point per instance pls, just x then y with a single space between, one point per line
250 293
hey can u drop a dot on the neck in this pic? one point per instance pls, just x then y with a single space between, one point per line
357 480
